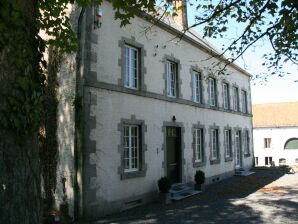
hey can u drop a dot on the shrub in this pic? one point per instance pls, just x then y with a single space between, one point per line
164 184
199 177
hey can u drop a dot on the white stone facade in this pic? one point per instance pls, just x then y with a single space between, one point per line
108 104
279 137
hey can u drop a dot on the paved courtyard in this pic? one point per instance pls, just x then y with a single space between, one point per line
268 196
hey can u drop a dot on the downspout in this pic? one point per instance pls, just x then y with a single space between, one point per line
78 127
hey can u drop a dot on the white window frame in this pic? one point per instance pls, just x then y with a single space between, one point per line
133 147
267 143
171 71
197 86
228 142
244 102
131 71
214 144
198 144
212 91
226 97
235 98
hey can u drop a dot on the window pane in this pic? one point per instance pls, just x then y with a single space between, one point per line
131 147
226 96
212 91
171 79
131 66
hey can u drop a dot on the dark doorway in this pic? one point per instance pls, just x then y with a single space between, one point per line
173 154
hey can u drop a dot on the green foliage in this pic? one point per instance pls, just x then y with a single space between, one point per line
199 177
125 10
274 21
164 185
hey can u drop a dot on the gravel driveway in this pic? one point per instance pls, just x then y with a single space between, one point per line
268 196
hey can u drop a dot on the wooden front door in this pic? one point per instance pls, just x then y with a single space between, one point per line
173 154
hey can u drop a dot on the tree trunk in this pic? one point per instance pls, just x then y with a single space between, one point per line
20 90
20 182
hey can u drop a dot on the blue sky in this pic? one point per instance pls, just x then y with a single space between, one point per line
276 89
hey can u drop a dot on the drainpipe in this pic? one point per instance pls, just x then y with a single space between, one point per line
78 131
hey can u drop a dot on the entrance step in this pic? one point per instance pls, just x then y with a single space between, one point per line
243 172
180 191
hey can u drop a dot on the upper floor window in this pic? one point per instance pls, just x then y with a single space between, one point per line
171 72
214 144
212 91
198 144
131 145
226 96
228 142
244 102
197 87
131 70
267 142
235 99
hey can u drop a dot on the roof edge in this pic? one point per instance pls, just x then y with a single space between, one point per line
182 35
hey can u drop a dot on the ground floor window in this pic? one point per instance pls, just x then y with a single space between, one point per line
198 144
131 145
268 161
228 143
214 144
246 142
132 148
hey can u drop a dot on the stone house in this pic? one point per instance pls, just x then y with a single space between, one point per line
148 105
275 131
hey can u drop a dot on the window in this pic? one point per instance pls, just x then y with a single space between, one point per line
131 147
226 96
246 142
268 161
171 71
238 148
198 144
244 102
256 161
228 143
131 67
197 87
267 142
214 144
212 91
282 162
236 99
292 144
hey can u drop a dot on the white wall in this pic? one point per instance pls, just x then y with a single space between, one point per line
111 106
108 54
278 136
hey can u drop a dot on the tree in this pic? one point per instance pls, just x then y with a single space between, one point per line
274 21
23 81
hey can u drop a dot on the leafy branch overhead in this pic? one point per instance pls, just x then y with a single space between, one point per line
275 21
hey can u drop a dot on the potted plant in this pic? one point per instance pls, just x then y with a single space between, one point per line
200 180
164 186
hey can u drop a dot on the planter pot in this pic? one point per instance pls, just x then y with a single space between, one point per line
200 187
164 198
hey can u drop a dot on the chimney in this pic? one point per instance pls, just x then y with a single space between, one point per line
181 17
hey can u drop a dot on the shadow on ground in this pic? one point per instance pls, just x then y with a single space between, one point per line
219 203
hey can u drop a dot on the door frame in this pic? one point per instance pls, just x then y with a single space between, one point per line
182 145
